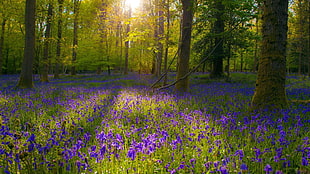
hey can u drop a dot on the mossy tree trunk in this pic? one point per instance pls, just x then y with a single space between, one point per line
185 49
26 80
270 85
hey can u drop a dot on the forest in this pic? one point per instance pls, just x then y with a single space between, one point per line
154 86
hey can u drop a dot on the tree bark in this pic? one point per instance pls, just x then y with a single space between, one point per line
26 79
2 43
185 46
127 44
167 44
75 36
217 70
270 85
44 77
59 38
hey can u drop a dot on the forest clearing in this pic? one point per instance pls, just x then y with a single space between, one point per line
115 124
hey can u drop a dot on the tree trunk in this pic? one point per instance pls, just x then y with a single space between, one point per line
26 79
44 77
2 43
159 32
270 85
75 36
167 44
217 71
59 37
127 45
185 49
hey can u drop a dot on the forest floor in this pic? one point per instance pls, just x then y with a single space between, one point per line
117 124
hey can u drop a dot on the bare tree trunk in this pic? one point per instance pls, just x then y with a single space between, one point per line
167 44
185 49
75 36
44 77
127 44
270 84
219 26
2 43
26 79
255 62
59 37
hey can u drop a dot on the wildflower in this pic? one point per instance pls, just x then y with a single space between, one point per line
304 161
223 170
279 172
31 138
268 168
131 154
243 167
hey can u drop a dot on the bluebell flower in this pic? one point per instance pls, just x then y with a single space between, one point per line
304 161
243 166
268 169
31 138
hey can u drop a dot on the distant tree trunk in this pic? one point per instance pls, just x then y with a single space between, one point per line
44 77
185 49
255 62
270 85
167 44
159 32
26 79
2 43
219 26
59 37
127 44
75 36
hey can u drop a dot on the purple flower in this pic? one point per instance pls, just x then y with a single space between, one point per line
304 161
31 138
131 154
243 167
279 172
268 168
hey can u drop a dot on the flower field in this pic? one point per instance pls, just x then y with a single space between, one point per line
115 124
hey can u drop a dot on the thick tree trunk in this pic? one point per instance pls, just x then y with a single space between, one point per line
75 36
217 70
26 79
59 37
44 77
2 43
185 49
270 85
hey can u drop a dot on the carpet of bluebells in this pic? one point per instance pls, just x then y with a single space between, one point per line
116 124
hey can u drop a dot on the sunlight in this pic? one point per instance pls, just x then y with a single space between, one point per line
134 4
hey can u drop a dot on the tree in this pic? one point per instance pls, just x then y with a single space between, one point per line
127 43
47 35
59 38
270 84
75 35
26 80
2 43
218 29
185 49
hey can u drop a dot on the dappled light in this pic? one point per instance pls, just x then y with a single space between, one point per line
115 120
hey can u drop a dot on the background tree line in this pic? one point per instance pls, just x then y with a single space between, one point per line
92 35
